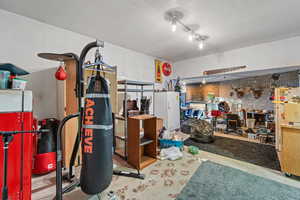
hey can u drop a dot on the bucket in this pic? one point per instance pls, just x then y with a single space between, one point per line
4 77
19 84
250 123
44 163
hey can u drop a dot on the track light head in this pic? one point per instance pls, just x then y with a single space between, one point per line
191 36
174 26
173 16
201 44
201 39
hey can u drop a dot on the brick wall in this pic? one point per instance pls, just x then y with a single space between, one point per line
198 92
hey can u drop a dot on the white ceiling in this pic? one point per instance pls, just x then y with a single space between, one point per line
139 24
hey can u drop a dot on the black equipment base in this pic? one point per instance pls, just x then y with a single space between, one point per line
129 174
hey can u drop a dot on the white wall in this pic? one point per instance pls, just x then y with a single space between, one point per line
22 38
44 86
266 55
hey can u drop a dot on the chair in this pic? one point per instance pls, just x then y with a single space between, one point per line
233 124
188 113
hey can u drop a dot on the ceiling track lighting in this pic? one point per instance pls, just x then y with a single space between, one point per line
175 17
201 45
191 36
174 26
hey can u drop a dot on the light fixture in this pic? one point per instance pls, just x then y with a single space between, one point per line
174 26
175 17
200 39
203 81
201 44
191 36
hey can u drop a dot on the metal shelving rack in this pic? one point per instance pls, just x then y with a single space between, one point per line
125 84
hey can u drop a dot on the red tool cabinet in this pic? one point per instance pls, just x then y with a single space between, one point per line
16 115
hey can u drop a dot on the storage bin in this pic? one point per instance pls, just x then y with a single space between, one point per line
4 77
19 84
165 143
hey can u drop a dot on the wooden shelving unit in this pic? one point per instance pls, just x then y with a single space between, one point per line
125 87
142 151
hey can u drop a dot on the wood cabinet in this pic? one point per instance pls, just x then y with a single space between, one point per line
287 136
290 154
142 150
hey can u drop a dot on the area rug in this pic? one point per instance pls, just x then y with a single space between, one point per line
164 181
213 181
255 153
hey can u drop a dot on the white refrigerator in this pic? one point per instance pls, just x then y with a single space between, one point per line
167 107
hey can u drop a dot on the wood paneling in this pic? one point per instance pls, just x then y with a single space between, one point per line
71 100
193 93
200 92
71 107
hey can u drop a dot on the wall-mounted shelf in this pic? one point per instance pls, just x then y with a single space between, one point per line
134 90
130 82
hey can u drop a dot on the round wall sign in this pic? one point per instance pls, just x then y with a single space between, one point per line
167 69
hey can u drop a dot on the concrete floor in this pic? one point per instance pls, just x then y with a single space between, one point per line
47 191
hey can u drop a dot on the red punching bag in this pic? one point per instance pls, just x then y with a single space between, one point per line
61 74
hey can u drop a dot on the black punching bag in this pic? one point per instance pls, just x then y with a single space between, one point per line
97 138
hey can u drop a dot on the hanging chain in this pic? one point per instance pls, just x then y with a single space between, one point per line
99 58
